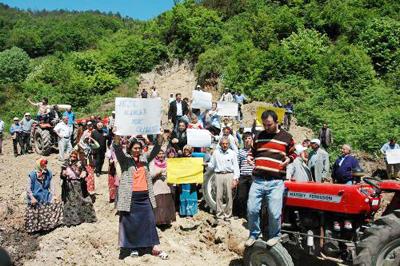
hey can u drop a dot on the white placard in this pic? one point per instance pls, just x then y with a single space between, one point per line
202 100
393 156
227 109
137 116
198 137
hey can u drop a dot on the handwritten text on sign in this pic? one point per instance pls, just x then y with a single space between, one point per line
136 116
201 100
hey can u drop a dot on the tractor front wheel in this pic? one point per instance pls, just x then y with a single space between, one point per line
42 142
261 254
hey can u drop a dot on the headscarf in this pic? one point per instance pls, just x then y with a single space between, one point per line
159 163
187 147
40 166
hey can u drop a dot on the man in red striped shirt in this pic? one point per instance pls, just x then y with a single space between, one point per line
272 151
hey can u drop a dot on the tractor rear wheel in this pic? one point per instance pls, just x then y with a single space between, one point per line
380 244
262 254
42 142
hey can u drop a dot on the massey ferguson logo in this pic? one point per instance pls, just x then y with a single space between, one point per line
314 196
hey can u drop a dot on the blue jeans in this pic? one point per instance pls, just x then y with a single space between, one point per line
272 192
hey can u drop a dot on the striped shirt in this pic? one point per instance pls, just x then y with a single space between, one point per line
269 151
245 168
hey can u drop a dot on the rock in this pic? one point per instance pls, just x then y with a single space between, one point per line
4 211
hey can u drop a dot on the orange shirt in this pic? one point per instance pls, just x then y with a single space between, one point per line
139 179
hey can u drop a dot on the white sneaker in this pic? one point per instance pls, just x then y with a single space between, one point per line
250 241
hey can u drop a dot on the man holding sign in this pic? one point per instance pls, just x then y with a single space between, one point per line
392 165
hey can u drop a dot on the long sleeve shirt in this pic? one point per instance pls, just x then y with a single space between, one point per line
225 161
15 128
387 147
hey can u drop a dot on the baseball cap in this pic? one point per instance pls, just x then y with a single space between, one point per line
316 141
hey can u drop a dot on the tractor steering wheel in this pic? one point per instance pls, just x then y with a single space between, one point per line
369 181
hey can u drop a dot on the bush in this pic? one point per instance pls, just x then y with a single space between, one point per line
14 65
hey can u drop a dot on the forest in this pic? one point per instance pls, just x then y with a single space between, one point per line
336 60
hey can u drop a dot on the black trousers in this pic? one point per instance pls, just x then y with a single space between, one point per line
100 155
240 202
26 142
17 141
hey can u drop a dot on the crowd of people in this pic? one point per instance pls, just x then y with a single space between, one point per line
256 163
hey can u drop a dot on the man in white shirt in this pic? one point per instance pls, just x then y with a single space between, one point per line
63 132
226 167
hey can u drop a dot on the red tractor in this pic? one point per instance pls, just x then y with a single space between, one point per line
336 222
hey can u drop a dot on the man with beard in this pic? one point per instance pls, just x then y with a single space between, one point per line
101 138
272 151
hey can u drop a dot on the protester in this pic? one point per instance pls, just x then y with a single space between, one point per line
225 164
392 169
177 109
110 127
16 131
54 115
114 172
212 120
137 226
26 126
165 210
227 133
44 211
2 126
44 108
86 147
318 162
171 98
289 110
306 143
71 117
268 176
179 137
298 170
188 193
239 98
342 169
245 179
101 138
144 93
154 92
63 132
226 96
195 123
325 136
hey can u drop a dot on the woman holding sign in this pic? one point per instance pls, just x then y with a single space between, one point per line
136 200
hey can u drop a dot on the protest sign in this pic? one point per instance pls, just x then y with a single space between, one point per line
137 116
198 137
185 170
279 111
227 109
393 156
201 100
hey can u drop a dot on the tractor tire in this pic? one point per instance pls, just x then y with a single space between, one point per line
42 142
209 191
380 243
262 254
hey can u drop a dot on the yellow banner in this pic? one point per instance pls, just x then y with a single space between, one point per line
279 111
185 171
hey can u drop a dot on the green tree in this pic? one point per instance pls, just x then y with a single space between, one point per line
14 65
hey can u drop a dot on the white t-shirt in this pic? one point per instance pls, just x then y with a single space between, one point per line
179 109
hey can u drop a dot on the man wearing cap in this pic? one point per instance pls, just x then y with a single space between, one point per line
15 131
318 162
2 126
26 126
298 170
63 132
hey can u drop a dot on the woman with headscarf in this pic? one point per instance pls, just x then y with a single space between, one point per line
188 192
44 211
165 210
78 206
136 201
85 147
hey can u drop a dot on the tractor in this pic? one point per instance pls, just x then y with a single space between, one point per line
338 222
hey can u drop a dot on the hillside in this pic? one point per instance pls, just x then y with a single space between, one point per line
336 60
